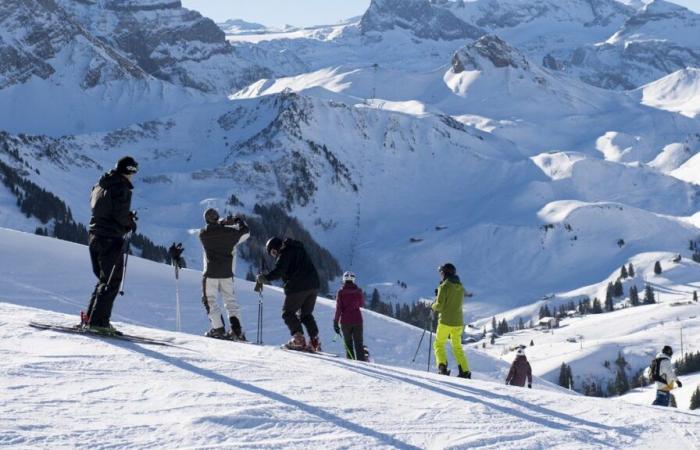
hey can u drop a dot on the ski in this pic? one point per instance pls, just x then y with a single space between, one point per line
309 352
78 330
231 339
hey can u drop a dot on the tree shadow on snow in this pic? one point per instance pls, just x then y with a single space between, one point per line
314 411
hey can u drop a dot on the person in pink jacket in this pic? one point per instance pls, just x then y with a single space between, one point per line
520 370
348 316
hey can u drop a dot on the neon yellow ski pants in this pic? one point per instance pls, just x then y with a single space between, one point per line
445 332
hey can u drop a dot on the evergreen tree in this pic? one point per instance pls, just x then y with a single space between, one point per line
521 324
649 295
618 291
609 298
695 296
596 308
621 382
532 342
634 296
630 270
566 378
657 268
695 399
494 327
375 300
623 272
493 338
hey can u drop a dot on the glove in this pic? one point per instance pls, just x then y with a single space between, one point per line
175 252
259 281
134 217
678 382
336 327
529 385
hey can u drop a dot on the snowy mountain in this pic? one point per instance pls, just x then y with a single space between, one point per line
423 142
421 17
658 40
182 396
238 26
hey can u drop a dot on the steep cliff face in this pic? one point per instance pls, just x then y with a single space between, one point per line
424 19
167 41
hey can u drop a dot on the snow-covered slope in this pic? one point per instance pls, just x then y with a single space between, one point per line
72 391
638 333
679 92
212 393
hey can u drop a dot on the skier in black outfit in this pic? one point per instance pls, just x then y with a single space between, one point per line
219 238
111 220
301 286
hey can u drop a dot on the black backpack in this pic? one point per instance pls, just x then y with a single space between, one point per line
654 370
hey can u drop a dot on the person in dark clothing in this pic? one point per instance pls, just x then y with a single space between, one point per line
348 316
220 238
520 370
111 220
301 284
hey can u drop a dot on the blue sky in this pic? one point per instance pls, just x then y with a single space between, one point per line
277 13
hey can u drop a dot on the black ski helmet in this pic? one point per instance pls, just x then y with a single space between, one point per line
274 243
448 269
127 166
211 215
667 350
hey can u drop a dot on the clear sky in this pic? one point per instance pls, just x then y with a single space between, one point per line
278 13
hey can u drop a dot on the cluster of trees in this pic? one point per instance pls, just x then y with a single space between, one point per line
57 218
695 399
566 377
273 220
695 248
688 363
617 385
417 313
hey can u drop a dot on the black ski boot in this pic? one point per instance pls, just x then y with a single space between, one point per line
443 370
236 333
218 333
464 373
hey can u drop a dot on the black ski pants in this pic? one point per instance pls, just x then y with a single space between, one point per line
107 256
354 347
298 309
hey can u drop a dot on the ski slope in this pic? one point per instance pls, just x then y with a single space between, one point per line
72 391
66 391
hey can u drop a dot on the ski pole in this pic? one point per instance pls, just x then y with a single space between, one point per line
419 344
345 344
430 341
126 260
177 298
175 255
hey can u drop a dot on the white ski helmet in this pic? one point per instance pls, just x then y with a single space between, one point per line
348 276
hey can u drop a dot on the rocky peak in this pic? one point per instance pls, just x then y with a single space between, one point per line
423 19
660 10
489 50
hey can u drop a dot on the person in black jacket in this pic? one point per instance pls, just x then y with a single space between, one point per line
111 220
301 284
219 240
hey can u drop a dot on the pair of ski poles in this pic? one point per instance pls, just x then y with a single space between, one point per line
259 289
428 325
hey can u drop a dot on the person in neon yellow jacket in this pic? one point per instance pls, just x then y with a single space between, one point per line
448 304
